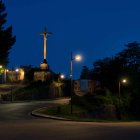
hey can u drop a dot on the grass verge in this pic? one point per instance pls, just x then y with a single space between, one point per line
78 114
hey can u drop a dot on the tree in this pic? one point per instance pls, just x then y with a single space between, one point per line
107 72
85 73
125 64
6 38
131 56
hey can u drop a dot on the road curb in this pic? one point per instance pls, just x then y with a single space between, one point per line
37 114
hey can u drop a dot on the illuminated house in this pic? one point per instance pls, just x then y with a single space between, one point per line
84 86
18 74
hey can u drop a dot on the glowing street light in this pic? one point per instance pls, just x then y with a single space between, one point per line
122 81
75 58
62 76
119 103
17 70
78 57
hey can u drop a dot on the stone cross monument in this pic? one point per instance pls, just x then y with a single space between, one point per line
45 34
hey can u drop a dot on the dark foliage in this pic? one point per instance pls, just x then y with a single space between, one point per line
111 70
85 73
67 87
6 38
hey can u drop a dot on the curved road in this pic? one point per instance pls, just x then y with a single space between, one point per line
16 123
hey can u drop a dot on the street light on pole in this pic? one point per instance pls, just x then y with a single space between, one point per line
119 103
62 76
76 58
122 81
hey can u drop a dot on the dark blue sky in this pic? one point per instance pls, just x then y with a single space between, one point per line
93 28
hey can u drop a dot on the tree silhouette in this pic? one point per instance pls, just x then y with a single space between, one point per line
109 72
85 73
131 56
6 38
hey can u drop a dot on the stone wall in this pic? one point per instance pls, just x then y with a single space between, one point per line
42 75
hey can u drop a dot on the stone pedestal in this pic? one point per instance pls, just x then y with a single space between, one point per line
43 66
42 75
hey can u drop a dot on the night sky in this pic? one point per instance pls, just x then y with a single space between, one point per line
93 28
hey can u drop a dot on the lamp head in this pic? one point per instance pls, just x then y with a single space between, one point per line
78 57
17 70
124 80
62 76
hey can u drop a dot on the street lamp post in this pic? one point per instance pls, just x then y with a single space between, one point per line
119 95
76 58
122 81
119 91
71 102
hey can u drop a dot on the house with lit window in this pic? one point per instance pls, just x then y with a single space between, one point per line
18 74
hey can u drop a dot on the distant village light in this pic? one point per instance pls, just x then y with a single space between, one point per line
0 66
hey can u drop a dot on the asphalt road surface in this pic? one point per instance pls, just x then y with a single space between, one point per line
16 123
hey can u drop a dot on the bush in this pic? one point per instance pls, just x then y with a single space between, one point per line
97 106
32 92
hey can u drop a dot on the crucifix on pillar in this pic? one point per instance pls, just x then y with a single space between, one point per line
45 34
